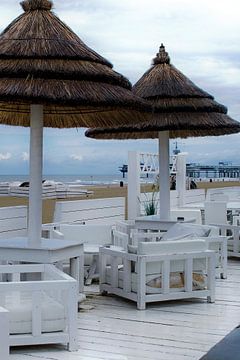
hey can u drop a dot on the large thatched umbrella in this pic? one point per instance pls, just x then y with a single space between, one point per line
181 109
49 77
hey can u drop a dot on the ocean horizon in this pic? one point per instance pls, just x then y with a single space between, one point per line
76 179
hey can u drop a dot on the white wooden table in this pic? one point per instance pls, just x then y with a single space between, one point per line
51 251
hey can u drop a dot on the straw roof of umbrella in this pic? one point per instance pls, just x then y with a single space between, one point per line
178 106
42 61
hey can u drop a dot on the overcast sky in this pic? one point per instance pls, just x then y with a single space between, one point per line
203 41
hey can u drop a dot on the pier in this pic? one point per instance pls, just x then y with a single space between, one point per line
193 170
222 170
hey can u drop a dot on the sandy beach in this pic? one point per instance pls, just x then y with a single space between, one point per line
99 192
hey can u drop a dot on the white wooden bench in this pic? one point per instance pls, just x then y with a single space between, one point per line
42 305
92 211
13 221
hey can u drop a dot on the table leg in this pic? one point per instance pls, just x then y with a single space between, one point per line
92 270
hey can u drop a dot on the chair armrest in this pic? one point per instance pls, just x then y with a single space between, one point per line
56 234
116 251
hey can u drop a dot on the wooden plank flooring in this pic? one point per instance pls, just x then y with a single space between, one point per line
110 328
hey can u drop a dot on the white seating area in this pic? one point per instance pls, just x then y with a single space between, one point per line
41 302
170 260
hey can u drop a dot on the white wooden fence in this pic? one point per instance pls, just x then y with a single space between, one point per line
93 211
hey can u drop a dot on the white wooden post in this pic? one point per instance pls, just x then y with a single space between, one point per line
4 334
164 181
181 178
133 185
35 190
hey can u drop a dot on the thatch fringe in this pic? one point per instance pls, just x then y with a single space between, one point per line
67 117
190 104
61 69
181 125
67 92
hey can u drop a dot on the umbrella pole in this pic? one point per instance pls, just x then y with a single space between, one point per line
164 182
35 190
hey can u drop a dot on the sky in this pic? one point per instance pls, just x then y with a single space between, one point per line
203 41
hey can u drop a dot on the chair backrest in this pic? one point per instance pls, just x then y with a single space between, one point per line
233 193
13 221
140 236
120 239
194 196
219 197
93 211
171 247
215 212
90 234
160 225
125 226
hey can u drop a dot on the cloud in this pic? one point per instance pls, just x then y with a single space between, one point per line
5 156
202 39
25 156
76 157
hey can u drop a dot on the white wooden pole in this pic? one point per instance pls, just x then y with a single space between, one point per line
164 181
4 334
133 185
35 190
181 178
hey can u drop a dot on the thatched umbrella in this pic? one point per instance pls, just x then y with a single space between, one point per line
49 77
181 109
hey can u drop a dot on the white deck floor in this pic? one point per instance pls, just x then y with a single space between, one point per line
112 328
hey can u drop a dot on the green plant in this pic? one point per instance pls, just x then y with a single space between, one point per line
150 205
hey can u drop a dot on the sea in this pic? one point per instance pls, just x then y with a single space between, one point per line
85 180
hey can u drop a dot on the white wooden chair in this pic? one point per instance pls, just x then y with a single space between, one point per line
42 305
94 236
148 275
232 232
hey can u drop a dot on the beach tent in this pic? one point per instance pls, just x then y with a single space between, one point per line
180 109
49 77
